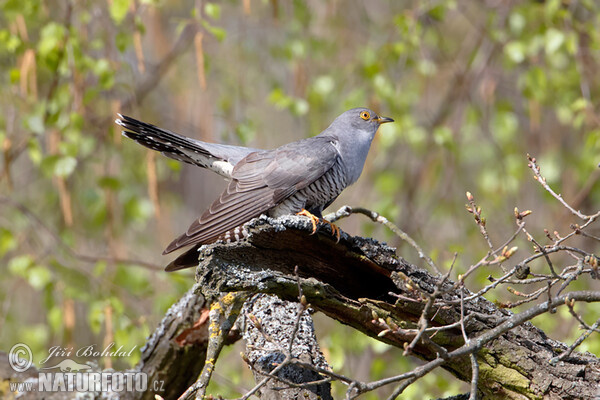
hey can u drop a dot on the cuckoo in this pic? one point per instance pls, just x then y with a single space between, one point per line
301 177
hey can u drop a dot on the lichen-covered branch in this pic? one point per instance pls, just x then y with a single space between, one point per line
364 284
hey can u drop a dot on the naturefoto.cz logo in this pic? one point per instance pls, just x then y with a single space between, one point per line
71 376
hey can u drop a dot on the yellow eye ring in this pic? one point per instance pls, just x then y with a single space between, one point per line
365 115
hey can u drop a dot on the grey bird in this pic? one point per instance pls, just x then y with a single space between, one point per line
302 177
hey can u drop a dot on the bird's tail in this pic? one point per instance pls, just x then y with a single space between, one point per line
169 143
220 158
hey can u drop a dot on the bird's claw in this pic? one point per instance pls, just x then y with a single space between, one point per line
314 219
334 230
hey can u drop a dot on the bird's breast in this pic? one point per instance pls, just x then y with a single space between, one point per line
317 195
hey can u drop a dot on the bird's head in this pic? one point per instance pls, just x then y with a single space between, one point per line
361 119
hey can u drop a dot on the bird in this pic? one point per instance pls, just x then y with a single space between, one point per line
302 177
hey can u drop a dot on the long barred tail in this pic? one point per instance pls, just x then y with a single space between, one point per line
169 143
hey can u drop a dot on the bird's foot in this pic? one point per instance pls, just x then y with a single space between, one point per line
334 230
314 219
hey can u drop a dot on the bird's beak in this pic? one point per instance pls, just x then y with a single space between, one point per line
383 120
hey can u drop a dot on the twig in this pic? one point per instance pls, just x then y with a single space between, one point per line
222 316
302 306
346 211
488 287
424 318
541 250
479 220
477 342
287 351
538 177
580 339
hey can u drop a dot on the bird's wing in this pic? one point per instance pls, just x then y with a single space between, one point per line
220 158
261 181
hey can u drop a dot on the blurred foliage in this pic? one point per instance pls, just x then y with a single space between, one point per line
473 86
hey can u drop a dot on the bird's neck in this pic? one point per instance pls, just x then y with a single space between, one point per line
354 153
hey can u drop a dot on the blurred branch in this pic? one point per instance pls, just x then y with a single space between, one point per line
69 250
155 73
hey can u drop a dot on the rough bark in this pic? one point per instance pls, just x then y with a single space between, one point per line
175 353
268 344
351 281
362 283
172 357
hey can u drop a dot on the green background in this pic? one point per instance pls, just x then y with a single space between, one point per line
473 86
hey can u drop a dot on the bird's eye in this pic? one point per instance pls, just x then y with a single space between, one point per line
365 115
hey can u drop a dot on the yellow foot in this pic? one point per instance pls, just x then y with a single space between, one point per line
334 230
313 219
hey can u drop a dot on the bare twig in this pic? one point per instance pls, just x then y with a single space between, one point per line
477 342
423 323
479 220
346 211
538 177
580 339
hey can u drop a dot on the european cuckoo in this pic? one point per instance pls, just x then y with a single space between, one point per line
299 177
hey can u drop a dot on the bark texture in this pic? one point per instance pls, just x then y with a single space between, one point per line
268 344
364 284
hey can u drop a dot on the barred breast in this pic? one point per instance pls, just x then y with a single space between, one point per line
316 196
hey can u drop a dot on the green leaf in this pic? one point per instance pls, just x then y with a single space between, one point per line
217 32
55 319
212 10
104 72
35 123
110 182
39 276
7 241
323 85
554 39
14 75
505 126
551 8
123 40
20 264
96 316
300 107
65 166
536 84
100 268
426 67
515 51
138 209
34 151
442 136
118 9
517 22
279 99
52 36
437 12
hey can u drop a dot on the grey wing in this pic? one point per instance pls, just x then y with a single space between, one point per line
220 158
261 181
